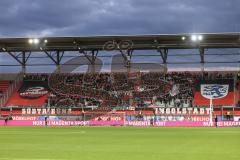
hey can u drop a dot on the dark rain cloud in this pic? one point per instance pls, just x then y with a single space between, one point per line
91 17
23 18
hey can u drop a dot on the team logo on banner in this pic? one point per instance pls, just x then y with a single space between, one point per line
216 91
34 92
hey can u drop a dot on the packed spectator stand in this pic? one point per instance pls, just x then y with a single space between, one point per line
139 95
175 89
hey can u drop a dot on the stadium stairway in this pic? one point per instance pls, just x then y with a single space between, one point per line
4 85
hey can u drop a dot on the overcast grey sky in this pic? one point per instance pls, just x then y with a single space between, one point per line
23 18
100 17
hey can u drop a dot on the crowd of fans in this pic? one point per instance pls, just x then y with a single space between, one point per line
1 94
118 89
108 90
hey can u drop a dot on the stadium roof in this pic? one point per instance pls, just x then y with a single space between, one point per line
138 42
173 50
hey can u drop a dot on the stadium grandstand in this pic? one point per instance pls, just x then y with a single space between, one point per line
81 90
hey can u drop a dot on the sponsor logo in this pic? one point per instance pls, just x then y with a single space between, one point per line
214 91
24 118
34 92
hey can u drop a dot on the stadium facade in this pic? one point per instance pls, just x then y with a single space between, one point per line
139 94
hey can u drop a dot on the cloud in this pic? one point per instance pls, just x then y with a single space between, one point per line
28 18
73 17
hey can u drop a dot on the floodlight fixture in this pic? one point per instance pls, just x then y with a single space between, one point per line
36 41
194 38
30 41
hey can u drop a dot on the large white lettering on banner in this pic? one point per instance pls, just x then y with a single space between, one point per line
44 111
182 111
215 91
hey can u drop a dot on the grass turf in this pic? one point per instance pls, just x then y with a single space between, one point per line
113 143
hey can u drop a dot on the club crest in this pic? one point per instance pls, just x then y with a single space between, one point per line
217 91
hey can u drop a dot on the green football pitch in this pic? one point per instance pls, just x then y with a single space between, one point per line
113 143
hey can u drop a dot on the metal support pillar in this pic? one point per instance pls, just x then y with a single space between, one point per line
202 58
58 60
15 57
24 62
91 57
127 56
164 55
21 58
56 57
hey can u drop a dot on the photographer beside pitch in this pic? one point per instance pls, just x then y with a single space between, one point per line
46 120
216 121
7 118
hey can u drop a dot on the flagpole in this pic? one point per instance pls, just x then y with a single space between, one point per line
211 111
